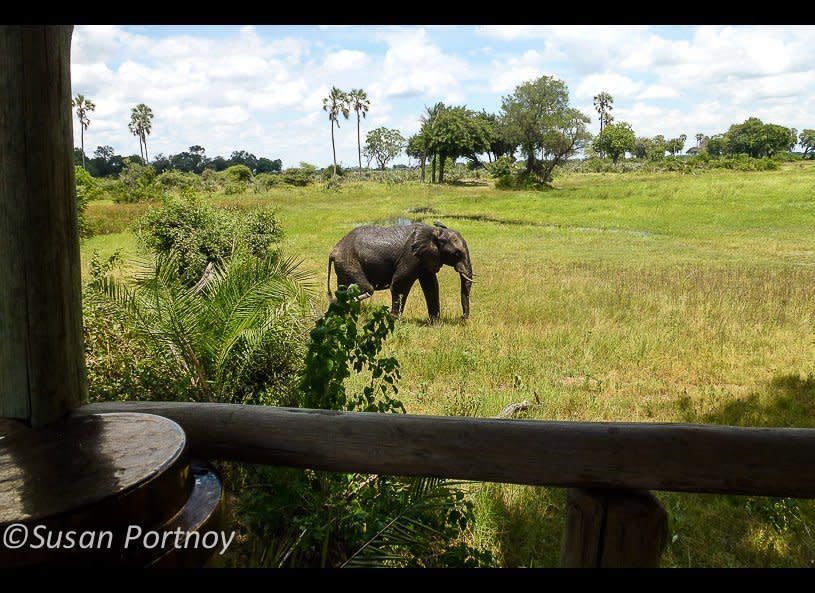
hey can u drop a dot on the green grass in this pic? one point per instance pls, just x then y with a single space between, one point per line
653 298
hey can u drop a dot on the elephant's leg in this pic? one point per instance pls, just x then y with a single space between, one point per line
400 289
430 287
348 277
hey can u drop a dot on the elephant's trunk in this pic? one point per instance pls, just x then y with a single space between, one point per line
465 272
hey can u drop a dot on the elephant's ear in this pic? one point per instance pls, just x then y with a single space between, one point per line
425 246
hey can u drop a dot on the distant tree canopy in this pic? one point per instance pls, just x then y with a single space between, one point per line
807 140
675 145
105 163
538 118
455 132
383 145
615 140
499 144
757 139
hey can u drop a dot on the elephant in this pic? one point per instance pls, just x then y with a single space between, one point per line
378 258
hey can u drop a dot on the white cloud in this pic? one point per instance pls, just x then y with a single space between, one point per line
508 73
346 59
413 66
658 91
618 85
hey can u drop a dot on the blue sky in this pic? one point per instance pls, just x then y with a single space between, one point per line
260 88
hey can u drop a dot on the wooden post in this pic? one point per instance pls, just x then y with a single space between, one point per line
613 529
42 371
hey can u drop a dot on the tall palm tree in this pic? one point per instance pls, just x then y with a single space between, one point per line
83 106
141 123
603 103
359 103
336 103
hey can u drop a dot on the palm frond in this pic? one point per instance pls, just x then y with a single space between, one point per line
405 531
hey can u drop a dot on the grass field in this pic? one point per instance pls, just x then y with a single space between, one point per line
652 298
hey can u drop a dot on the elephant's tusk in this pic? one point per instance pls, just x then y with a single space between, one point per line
467 278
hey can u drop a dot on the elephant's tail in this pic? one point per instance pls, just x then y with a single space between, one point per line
328 280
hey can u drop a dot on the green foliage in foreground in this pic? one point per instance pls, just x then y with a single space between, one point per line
235 339
333 519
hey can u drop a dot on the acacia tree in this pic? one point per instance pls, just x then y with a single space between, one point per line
616 139
457 132
83 106
336 104
537 117
807 141
360 103
141 124
498 144
383 145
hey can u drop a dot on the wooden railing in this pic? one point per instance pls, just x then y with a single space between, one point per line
612 519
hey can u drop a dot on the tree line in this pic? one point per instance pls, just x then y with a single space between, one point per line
537 121
106 163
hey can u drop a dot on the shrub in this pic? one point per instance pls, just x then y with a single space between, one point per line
260 231
120 366
87 189
136 183
265 181
328 172
299 176
235 188
198 234
237 174
501 167
178 180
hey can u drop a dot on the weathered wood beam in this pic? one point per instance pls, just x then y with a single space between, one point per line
42 372
678 457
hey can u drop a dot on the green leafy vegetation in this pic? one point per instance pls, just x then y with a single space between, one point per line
334 519
197 235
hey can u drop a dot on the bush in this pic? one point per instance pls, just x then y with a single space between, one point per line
120 366
328 172
266 181
197 233
136 183
260 231
178 180
299 176
235 188
520 180
237 174
87 189
501 167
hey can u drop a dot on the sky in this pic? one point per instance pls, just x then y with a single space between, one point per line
260 88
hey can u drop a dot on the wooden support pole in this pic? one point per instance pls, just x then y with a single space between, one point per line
613 529
42 371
